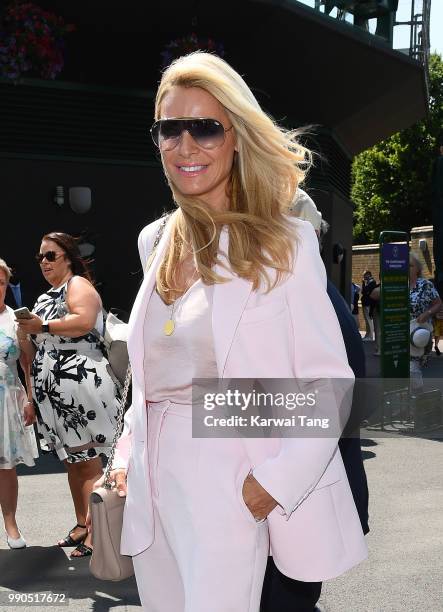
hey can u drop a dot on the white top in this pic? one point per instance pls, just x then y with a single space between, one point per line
171 362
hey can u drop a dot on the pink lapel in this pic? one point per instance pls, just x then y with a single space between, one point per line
228 304
137 318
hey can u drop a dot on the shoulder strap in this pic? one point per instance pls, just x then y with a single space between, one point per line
122 405
158 237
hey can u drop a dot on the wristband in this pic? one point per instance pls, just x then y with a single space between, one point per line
45 328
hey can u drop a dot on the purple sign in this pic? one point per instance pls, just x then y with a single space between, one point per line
395 257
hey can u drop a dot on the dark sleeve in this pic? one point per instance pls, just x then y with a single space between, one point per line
10 299
349 445
355 303
350 333
371 285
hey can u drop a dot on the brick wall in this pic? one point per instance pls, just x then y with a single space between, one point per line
366 257
426 256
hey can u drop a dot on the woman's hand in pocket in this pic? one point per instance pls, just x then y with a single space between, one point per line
257 499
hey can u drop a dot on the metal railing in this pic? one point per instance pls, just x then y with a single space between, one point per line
379 17
419 24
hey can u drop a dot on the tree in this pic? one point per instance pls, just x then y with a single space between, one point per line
391 182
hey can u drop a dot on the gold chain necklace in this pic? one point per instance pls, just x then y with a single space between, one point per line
169 326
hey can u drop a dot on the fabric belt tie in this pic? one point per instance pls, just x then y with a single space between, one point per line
71 346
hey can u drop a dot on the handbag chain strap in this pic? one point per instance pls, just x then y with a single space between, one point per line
121 409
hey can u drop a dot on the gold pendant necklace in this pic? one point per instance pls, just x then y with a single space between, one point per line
169 326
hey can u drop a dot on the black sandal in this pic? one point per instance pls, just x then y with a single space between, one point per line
85 551
69 540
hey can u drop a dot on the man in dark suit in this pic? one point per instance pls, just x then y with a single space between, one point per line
280 593
11 298
16 295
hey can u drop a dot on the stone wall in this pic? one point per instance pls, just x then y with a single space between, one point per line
366 257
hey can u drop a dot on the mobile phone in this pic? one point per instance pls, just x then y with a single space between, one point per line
22 313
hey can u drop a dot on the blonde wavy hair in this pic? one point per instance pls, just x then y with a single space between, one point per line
6 269
269 166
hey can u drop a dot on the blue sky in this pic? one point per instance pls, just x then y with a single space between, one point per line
401 36
437 26
401 33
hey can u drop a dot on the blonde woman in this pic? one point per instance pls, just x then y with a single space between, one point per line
17 439
236 289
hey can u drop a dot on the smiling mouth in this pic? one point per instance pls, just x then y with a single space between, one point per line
192 169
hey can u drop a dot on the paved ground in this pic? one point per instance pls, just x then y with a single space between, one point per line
45 514
404 570
403 574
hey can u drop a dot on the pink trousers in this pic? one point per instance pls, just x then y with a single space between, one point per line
208 554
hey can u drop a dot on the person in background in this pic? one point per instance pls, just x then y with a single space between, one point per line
355 298
13 297
373 292
424 302
17 439
366 306
76 397
280 593
437 212
438 329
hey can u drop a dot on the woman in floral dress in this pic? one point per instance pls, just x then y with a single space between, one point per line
17 439
77 399
424 303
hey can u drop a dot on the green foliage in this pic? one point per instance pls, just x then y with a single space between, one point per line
391 182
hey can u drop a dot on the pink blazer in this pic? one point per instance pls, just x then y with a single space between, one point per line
290 332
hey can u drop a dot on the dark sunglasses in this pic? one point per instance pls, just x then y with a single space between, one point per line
207 133
49 256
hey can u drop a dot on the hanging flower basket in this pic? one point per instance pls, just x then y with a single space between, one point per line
187 44
31 42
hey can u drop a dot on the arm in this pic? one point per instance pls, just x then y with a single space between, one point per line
431 311
320 361
120 463
27 348
83 303
124 444
25 362
123 448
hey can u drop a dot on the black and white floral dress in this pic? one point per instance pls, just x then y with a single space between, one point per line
77 399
